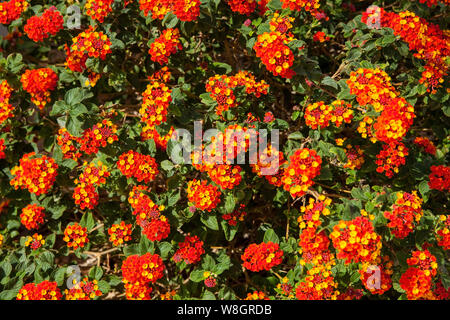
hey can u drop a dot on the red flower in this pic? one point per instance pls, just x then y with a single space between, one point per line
263 256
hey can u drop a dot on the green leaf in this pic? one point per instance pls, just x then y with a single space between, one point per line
271 236
230 203
328 81
76 95
197 275
96 273
210 221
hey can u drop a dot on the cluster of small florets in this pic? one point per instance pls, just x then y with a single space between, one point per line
355 157
34 242
138 272
32 216
432 3
38 83
257 295
140 166
440 178
416 283
204 196
46 290
425 261
165 45
157 8
87 44
190 250
210 279
319 114
269 165
407 211
76 236
98 9
443 232
11 10
150 133
100 135
35 173
225 175
391 157
242 6
428 41
66 141
314 246
2 149
49 23
356 240
237 215
85 193
155 102
120 233
320 36
376 275
5 107
281 24
278 58
221 88
156 229
263 256
143 207
185 10
312 212
83 290
298 5
319 284
304 165
426 144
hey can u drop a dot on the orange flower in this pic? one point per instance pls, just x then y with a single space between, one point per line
32 216
35 173
75 236
38 83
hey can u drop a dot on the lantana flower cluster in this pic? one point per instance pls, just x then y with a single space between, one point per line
87 44
278 58
83 290
49 23
236 216
46 290
428 41
155 226
165 45
34 242
38 83
443 232
356 240
185 10
120 233
263 256
319 114
304 166
406 212
140 166
34 173
76 236
204 196
376 275
190 250
98 9
138 272
12 10
85 193
221 89
5 106
32 216
426 144
439 178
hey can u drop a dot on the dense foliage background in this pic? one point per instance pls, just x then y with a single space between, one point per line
220 41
